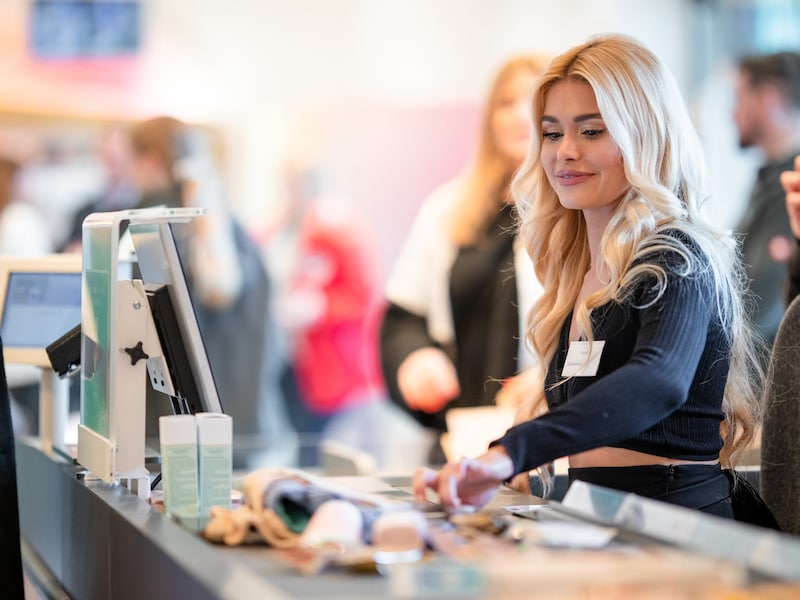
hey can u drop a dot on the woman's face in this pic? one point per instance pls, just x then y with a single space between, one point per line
511 116
581 160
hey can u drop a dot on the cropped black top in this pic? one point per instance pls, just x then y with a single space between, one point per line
658 388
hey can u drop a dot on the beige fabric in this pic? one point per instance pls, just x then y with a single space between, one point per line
238 526
252 522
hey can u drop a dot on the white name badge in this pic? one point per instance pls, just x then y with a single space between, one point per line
583 359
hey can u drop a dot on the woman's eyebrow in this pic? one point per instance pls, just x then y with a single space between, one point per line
578 119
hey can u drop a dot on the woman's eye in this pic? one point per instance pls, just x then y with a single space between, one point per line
593 133
551 135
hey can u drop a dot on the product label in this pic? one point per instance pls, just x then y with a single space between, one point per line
179 479
215 477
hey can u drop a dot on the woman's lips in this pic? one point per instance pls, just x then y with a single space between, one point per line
567 178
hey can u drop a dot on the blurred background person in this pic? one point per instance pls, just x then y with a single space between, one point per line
23 232
173 165
280 249
329 305
117 191
767 115
460 288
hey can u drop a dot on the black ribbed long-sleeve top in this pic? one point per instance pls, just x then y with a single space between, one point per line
658 388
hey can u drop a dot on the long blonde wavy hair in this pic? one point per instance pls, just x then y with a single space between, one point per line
486 182
664 164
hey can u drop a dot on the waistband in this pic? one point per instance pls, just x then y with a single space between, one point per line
692 486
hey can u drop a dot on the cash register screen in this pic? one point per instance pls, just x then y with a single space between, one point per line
41 301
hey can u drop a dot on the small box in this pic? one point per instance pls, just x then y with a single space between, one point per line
215 463
179 472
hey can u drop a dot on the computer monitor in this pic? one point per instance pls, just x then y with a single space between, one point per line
193 387
41 301
183 382
124 342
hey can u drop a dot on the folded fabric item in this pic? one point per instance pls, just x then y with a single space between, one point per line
335 523
294 496
243 525
295 501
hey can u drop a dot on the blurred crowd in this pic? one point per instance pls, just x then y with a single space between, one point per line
306 345
288 316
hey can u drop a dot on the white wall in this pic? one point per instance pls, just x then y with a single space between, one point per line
239 54
276 75
251 65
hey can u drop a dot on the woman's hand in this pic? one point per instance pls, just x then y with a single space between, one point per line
427 379
466 483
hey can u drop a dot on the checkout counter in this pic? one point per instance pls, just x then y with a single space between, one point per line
97 540
85 535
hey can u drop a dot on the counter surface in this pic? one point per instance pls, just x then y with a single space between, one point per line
102 541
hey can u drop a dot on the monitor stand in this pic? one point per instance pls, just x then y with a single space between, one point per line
53 410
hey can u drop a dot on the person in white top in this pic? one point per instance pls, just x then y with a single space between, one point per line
451 334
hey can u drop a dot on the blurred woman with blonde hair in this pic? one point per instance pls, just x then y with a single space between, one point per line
451 335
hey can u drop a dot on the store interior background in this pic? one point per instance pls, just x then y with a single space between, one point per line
379 99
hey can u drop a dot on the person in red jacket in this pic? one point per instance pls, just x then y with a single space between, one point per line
325 257
335 286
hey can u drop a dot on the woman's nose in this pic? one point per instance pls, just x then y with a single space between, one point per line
568 148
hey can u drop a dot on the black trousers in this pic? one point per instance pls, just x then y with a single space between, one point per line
702 487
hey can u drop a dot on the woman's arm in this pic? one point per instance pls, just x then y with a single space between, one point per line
652 383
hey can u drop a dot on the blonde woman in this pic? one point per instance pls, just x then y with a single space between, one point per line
651 380
452 331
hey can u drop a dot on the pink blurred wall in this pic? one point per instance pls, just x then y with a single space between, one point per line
388 159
